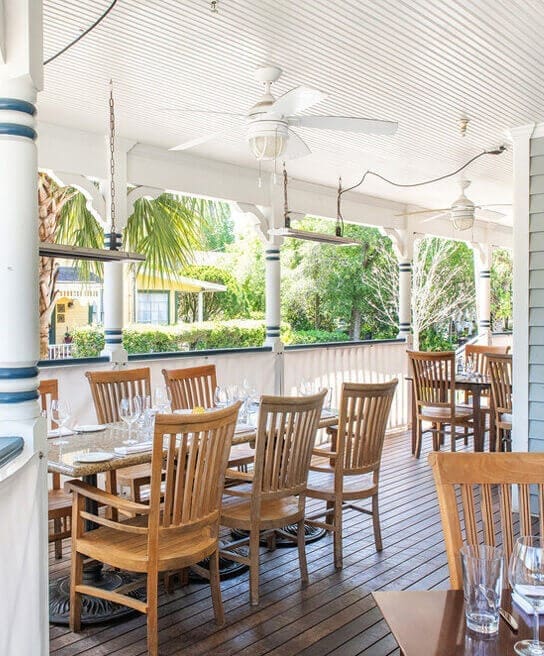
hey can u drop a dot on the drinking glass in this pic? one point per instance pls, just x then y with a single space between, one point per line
145 412
129 411
60 415
482 586
220 397
162 399
306 387
527 580
469 366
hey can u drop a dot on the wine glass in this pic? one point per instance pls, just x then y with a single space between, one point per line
220 397
130 410
526 575
469 366
162 399
306 387
60 415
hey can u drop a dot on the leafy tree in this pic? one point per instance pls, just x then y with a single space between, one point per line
501 285
246 263
230 304
218 228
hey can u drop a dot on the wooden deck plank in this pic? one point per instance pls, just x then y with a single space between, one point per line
334 614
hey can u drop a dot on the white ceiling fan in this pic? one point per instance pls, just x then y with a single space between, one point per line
462 211
270 122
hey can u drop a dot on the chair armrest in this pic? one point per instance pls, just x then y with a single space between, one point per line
100 496
324 452
236 475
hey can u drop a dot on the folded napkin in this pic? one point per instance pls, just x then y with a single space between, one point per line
60 432
328 413
127 449
243 428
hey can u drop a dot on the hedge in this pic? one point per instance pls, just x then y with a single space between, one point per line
236 333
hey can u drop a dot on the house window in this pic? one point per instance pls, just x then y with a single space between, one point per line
152 307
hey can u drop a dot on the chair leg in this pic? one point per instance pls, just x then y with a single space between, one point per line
215 585
376 523
301 544
452 437
57 527
152 614
337 537
418 438
329 517
271 541
254 567
76 577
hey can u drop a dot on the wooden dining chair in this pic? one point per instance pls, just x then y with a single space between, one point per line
350 469
273 495
476 500
177 529
433 379
191 387
195 387
500 374
59 502
107 389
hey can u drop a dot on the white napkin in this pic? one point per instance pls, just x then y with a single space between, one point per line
328 413
60 432
134 448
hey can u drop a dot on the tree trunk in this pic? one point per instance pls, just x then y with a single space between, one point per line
355 331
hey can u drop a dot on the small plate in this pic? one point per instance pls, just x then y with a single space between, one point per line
95 456
90 428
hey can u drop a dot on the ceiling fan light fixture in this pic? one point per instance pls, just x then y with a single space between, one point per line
462 216
267 139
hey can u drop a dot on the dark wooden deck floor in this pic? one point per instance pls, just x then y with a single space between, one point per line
334 615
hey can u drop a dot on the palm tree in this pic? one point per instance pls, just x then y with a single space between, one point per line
166 230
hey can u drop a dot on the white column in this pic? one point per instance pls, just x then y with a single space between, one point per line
114 295
403 246
23 483
482 273
200 307
272 293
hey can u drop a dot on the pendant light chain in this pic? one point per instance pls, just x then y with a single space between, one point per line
113 229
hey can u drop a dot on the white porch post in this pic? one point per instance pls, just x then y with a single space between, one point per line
23 483
482 273
403 245
114 271
200 306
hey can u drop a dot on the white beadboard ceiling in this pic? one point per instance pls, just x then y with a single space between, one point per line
424 63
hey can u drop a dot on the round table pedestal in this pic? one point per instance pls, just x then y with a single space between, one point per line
311 534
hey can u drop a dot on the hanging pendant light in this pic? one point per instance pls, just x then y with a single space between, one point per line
112 252
322 237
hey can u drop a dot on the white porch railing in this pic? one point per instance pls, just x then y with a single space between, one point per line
326 365
60 351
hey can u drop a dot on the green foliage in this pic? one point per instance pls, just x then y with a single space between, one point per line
501 285
246 264
431 340
218 228
87 342
316 336
229 304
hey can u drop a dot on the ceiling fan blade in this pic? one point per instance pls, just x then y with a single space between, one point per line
191 143
296 147
493 205
345 123
441 210
435 216
297 100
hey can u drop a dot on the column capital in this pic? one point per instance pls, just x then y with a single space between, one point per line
402 241
261 216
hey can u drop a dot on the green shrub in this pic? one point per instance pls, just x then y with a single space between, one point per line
316 337
87 342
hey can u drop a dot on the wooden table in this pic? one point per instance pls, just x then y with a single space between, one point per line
474 385
432 623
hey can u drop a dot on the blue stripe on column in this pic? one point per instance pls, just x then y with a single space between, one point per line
113 331
14 373
113 340
16 105
18 397
16 130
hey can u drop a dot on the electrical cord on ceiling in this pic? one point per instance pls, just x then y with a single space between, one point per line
340 218
83 34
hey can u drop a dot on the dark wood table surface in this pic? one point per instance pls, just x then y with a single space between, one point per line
432 623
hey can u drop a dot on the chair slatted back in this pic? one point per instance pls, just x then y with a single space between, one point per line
193 450
433 378
364 411
109 387
471 487
500 374
191 387
479 353
283 446
49 391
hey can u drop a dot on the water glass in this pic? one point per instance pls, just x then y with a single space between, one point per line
162 399
60 415
220 397
130 411
306 387
482 586
526 573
